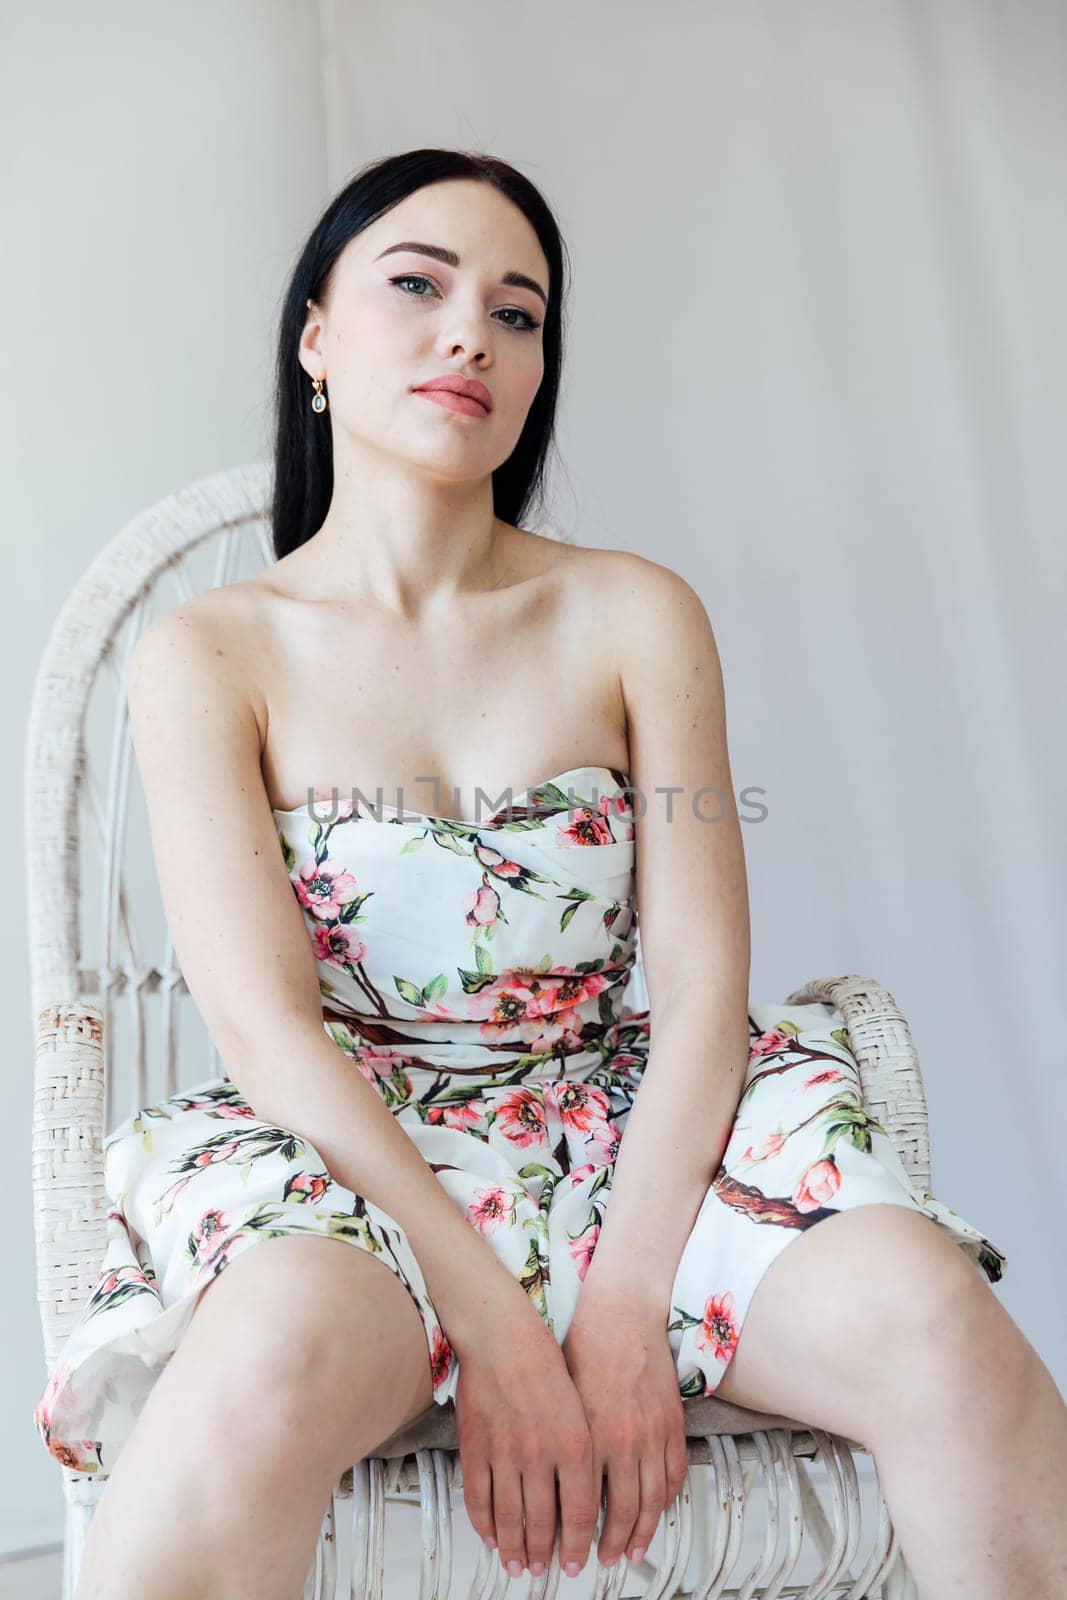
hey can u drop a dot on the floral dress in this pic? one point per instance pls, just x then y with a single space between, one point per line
475 975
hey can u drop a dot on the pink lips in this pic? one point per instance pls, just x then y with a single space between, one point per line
458 394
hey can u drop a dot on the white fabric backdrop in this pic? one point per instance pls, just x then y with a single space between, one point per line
817 365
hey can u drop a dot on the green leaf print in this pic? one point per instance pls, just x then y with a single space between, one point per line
549 1179
534 1278
684 1319
475 982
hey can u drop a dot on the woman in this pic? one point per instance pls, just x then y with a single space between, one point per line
421 1012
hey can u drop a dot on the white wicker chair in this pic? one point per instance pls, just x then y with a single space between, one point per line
107 998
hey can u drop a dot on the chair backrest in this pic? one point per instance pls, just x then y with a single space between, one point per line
107 990
108 994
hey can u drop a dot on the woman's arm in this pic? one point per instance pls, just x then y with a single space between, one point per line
246 957
692 900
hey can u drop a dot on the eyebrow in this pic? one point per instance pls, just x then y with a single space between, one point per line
518 280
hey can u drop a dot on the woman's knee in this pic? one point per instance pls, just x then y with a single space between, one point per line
303 1327
919 1318
859 1307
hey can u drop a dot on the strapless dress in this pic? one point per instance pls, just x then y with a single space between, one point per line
477 975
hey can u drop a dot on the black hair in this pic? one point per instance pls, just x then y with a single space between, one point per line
303 453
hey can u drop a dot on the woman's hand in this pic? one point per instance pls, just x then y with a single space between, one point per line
623 1368
519 1423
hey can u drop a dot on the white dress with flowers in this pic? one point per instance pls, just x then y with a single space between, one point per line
475 975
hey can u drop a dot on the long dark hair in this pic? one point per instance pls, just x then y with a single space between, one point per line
303 457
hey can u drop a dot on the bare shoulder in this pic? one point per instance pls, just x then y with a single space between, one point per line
657 623
642 586
209 640
197 715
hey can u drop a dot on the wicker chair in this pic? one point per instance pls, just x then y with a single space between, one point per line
108 997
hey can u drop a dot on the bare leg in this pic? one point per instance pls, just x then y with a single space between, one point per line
302 1356
875 1325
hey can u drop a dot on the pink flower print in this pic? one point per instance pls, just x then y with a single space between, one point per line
500 865
381 1063
563 1032
339 944
218 1152
827 1075
325 887
504 1004
307 1187
769 1147
491 1209
233 1110
578 1175
521 1001
582 1250
610 803
818 1185
603 1142
628 1064
481 907
462 1117
440 1358
582 1106
770 1043
586 828
204 1237
520 1116
719 1331
375 1065
563 989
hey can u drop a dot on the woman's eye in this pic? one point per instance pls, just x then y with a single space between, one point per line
412 277
528 326
525 327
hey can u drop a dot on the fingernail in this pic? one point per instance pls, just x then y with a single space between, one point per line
572 1569
639 1551
491 1543
537 1567
515 1568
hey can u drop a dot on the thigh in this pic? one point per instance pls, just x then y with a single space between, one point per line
840 1319
313 1322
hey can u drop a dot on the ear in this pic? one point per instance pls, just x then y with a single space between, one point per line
309 350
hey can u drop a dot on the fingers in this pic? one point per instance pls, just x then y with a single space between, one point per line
539 1499
508 1516
477 1493
676 1462
624 1504
579 1503
638 1492
653 1478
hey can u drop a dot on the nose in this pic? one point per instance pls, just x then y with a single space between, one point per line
464 332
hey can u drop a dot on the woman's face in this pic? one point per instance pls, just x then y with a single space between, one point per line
396 318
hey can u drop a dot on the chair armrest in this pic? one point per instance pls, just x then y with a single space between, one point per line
69 1200
880 1039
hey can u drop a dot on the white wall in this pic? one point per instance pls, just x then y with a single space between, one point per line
165 164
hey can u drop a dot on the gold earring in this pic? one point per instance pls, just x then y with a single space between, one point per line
318 402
